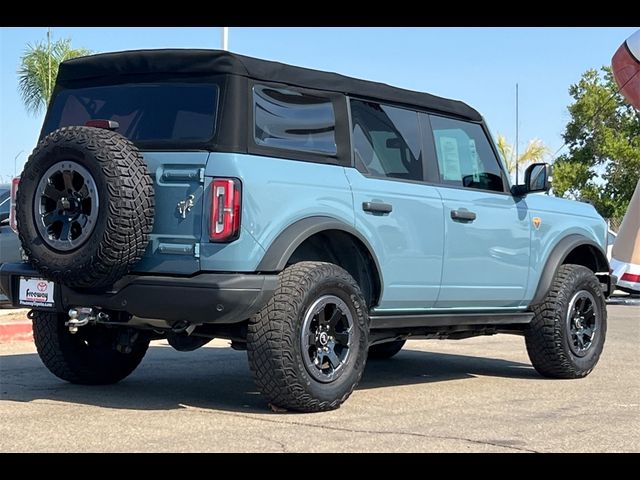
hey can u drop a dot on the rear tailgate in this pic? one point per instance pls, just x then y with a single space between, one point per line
177 228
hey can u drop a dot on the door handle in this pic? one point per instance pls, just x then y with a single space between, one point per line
463 215
377 207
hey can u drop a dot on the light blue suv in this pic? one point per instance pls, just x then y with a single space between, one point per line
313 219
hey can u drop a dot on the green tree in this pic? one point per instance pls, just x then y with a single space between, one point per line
39 69
603 138
536 151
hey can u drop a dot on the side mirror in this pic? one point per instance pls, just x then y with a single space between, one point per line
537 178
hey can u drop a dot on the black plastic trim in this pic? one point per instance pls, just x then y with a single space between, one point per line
557 256
203 298
448 319
281 249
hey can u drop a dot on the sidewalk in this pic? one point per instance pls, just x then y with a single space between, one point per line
14 325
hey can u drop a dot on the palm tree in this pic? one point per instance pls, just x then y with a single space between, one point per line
535 152
39 69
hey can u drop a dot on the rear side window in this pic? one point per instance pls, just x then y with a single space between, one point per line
146 112
386 141
465 156
293 120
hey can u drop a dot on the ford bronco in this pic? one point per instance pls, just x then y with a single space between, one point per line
313 219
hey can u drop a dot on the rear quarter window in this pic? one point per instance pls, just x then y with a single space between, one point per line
291 120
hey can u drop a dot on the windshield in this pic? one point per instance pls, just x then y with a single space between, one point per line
147 113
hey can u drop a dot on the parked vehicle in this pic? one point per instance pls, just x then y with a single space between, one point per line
625 254
311 218
5 202
611 239
9 243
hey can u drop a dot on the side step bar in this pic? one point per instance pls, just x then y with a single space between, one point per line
448 319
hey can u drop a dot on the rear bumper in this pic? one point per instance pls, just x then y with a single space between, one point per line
203 298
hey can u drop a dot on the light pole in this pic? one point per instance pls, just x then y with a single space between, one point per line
15 159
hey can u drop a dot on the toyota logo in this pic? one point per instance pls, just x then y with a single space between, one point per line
42 286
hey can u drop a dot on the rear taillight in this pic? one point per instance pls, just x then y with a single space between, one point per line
630 277
226 205
12 209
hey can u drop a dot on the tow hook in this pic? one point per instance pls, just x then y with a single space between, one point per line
81 316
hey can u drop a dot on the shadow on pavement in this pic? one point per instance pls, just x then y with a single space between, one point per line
219 379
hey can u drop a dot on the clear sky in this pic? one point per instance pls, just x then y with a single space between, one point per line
477 65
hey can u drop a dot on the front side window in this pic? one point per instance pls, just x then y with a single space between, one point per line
465 156
146 112
293 120
386 141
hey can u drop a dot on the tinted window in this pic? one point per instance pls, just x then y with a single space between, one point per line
294 121
465 157
145 112
386 141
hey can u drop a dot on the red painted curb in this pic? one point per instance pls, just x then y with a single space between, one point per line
16 332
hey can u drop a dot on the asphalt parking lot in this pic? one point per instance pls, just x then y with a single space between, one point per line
475 395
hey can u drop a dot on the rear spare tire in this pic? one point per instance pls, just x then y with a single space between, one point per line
85 207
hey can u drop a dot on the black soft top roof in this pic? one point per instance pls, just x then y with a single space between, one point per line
207 62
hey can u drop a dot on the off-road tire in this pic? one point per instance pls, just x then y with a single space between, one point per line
383 351
125 214
274 344
88 357
547 337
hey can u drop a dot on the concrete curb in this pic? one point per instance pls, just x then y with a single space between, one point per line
15 326
16 332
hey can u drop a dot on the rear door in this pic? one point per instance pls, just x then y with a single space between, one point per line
172 123
487 230
395 209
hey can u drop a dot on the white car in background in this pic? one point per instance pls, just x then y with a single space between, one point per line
611 239
625 254
628 274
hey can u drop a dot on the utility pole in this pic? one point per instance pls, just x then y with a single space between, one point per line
225 38
517 126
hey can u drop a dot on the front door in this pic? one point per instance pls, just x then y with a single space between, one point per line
487 230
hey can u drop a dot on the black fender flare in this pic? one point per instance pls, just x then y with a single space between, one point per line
557 257
281 249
